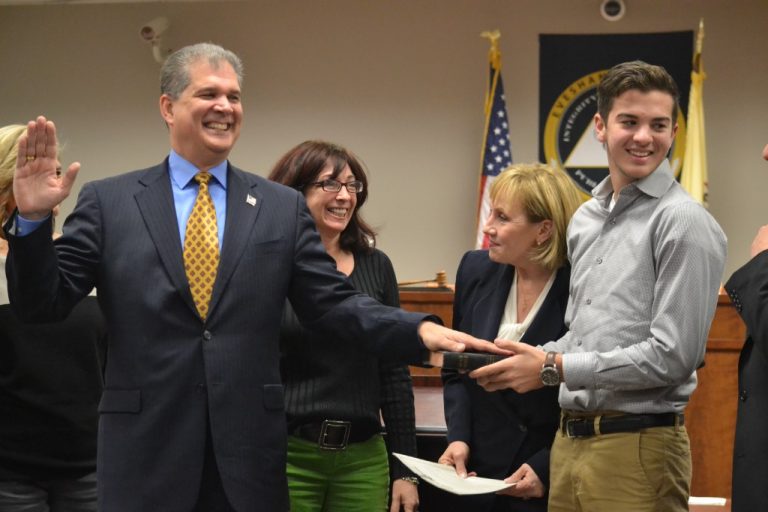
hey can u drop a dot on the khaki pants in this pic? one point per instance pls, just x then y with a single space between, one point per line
645 471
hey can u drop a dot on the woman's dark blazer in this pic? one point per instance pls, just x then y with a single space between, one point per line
503 429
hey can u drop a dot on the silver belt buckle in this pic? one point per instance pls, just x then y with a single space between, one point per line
334 424
569 427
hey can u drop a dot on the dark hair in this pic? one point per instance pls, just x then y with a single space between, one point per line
303 164
174 75
637 75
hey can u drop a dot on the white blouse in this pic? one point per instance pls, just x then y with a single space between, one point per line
509 328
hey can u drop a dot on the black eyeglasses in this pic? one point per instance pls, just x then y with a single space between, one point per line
329 185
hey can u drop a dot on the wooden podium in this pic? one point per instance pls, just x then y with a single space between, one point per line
435 300
710 415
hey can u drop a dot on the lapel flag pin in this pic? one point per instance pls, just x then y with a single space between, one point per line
250 200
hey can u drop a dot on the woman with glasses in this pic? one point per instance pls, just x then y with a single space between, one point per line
337 459
515 290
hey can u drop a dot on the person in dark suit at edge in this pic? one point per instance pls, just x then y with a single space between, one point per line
748 289
517 289
192 414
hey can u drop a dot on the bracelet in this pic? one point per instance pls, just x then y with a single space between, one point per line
411 479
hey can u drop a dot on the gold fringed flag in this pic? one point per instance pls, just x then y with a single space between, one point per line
694 174
497 154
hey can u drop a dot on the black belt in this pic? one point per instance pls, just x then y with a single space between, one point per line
335 434
585 427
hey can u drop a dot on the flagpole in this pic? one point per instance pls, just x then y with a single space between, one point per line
494 58
693 176
495 152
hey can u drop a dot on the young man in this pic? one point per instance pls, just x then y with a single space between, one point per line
747 288
193 260
646 267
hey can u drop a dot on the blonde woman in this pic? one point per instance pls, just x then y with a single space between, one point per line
517 290
50 385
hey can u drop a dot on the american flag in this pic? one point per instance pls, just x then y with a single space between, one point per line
497 153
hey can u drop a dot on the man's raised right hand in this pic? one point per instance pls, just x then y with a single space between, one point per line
38 185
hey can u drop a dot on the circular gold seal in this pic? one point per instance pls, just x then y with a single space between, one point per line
569 138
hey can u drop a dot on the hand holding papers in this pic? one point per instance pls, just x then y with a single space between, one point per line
445 477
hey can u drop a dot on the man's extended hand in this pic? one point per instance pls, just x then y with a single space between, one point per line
436 337
38 186
521 372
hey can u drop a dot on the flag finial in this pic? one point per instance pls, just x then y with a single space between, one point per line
495 55
699 47
700 37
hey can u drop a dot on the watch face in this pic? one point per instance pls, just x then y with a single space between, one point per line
549 376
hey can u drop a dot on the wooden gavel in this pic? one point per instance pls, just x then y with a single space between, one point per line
441 279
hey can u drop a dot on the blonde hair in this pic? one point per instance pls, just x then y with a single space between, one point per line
543 193
9 150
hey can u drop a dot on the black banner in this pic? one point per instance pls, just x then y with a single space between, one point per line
570 67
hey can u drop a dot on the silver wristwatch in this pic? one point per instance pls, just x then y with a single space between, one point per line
549 373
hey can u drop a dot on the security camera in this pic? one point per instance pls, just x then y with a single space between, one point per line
613 10
153 30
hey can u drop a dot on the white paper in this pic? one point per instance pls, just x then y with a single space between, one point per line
705 500
445 477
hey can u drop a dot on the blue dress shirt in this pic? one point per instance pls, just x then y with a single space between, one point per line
184 189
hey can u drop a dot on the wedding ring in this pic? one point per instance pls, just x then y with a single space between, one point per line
30 158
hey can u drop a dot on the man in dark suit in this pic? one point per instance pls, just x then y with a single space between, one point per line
748 289
192 413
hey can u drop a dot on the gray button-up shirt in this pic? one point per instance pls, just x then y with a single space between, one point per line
644 284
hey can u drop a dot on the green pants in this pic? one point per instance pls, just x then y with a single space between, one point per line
645 471
355 479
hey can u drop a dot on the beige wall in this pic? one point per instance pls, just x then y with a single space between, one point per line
400 82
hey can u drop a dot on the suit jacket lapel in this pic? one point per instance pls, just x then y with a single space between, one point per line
490 307
243 205
544 328
157 208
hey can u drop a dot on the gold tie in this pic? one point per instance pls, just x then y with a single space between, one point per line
201 246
